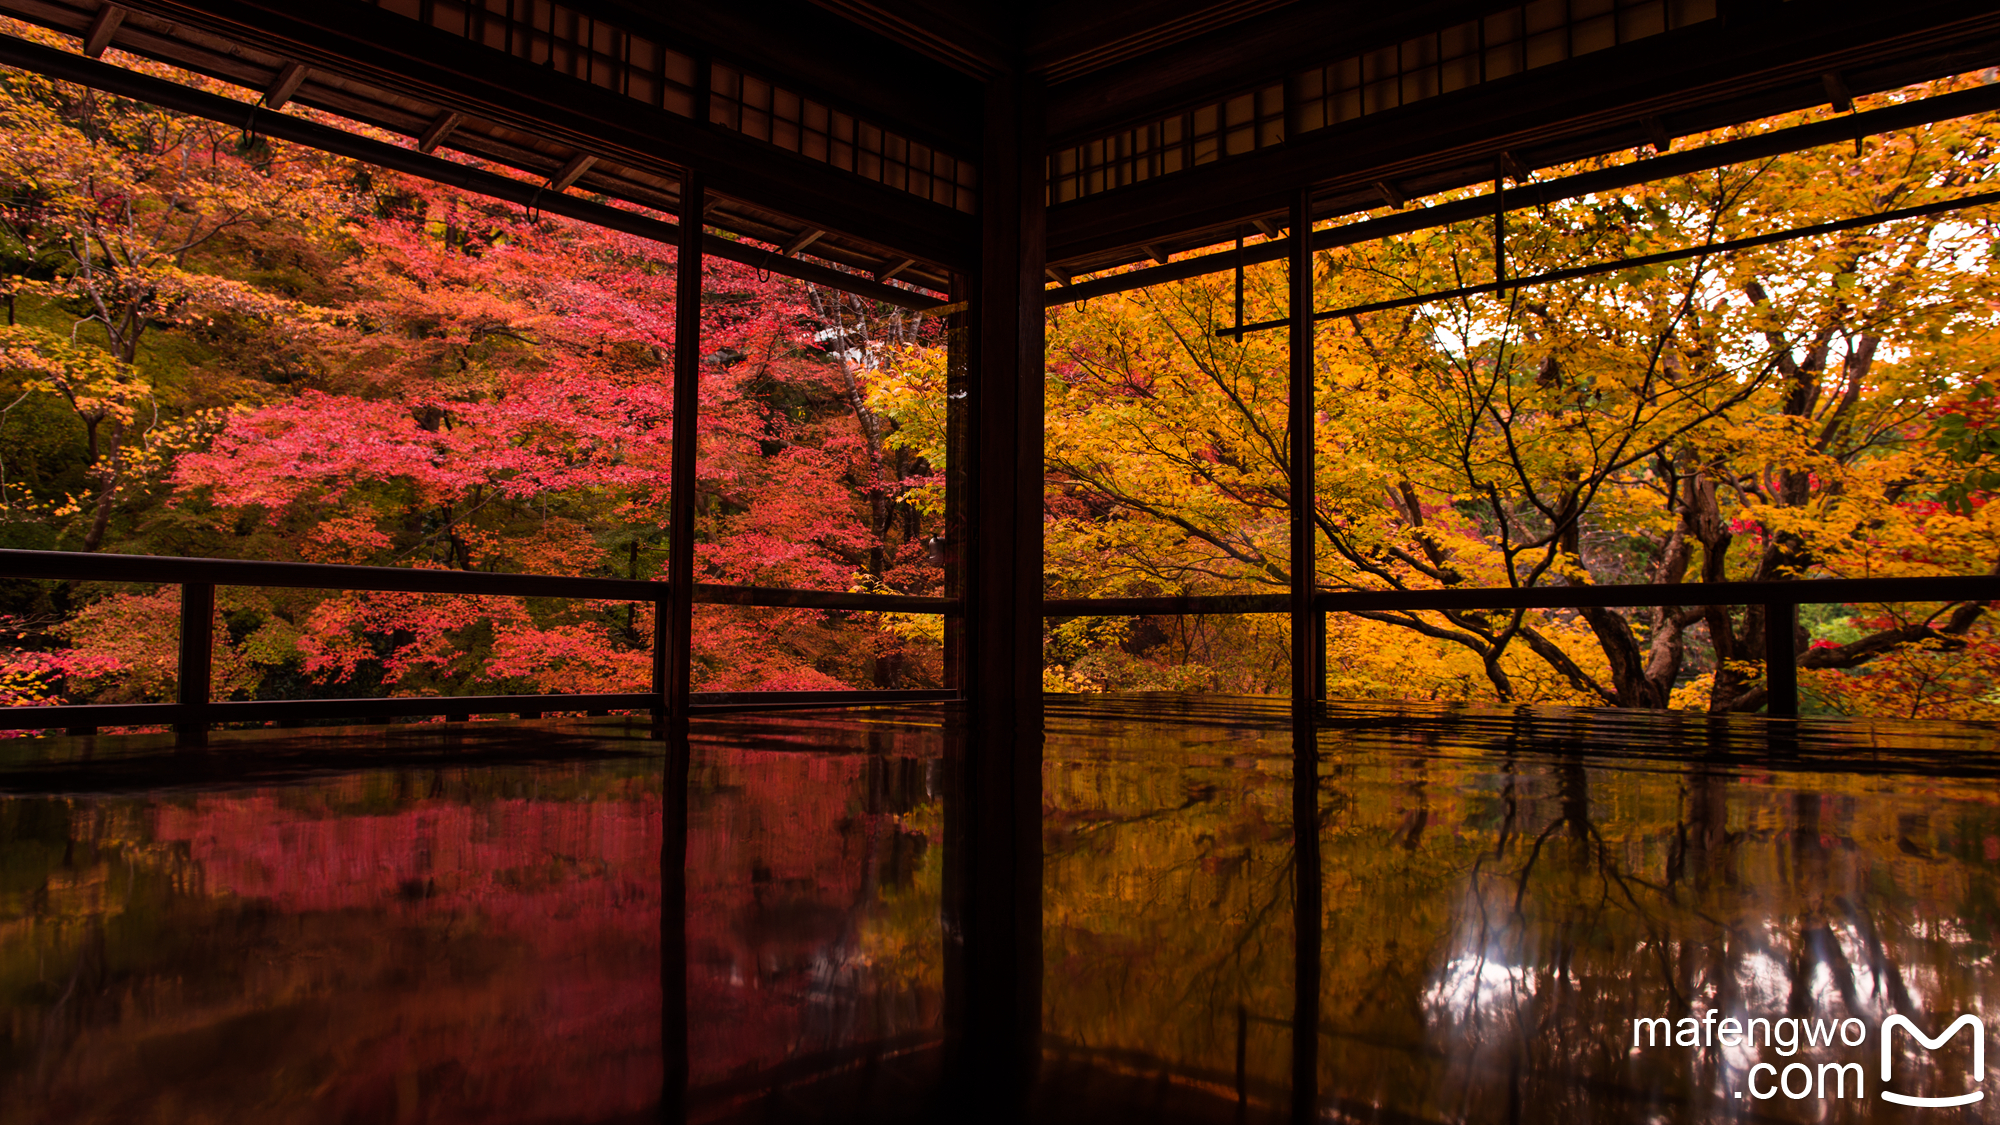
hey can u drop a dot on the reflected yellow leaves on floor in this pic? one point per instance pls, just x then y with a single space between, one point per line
1504 892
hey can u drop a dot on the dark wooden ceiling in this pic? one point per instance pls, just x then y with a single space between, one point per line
1059 41
1111 64
1754 61
919 69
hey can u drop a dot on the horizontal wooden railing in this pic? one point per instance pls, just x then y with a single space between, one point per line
193 711
1811 591
169 570
1780 600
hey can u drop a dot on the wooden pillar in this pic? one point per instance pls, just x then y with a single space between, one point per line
1319 655
1781 660
687 406
1004 557
662 641
993 956
197 661
957 480
1306 641
673 652
1299 446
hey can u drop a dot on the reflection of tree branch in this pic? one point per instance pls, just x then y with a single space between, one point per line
1252 927
1884 971
1521 881
1200 796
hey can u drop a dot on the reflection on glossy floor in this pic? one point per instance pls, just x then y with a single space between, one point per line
418 925
430 941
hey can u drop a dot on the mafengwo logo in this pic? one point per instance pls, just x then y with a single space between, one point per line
1741 1040
1978 1074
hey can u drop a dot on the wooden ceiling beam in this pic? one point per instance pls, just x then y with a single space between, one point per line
577 166
959 36
847 55
102 27
1702 78
126 83
1611 179
1228 59
1072 40
805 238
437 132
397 54
290 77
892 267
